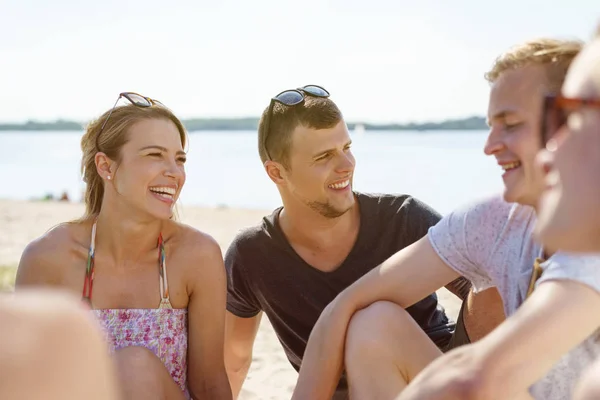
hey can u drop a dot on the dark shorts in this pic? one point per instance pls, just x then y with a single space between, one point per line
450 335
460 336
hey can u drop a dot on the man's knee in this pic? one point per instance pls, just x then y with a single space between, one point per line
372 328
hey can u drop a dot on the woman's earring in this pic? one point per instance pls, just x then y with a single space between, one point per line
108 177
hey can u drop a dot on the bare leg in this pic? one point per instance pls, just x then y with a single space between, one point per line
484 311
52 349
142 375
385 349
588 387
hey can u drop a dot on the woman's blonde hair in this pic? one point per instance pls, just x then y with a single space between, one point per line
110 141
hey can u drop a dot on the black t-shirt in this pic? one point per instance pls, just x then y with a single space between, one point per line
266 274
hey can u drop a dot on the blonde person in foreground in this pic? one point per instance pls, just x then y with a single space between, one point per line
156 286
491 243
569 209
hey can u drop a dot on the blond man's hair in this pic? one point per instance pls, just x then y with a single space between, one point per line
555 54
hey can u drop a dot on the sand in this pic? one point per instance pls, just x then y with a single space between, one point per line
270 376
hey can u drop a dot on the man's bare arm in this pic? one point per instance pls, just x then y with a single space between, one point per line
405 278
240 334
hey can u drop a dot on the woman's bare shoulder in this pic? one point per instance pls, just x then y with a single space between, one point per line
45 258
196 249
188 238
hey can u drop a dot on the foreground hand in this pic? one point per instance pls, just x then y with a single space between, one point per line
458 375
451 376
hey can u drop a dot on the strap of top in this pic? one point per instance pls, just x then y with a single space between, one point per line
162 264
88 283
536 273
164 285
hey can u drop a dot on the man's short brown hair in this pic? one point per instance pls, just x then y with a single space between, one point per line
314 113
555 54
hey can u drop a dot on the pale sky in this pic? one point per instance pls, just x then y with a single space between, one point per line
382 60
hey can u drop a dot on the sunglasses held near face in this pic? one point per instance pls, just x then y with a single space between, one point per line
556 111
291 97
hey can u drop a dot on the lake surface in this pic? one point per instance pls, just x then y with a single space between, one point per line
444 169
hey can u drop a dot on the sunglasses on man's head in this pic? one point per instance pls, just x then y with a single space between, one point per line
556 111
290 97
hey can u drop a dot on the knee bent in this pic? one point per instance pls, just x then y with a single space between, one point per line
373 327
136 358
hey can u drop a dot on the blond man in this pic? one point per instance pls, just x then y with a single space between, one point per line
365 329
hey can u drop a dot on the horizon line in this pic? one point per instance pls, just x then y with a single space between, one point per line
241 118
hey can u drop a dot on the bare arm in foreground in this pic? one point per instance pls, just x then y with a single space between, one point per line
504 364
45 335
588 387
405 278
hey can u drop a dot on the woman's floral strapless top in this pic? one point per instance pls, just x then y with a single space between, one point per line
164 331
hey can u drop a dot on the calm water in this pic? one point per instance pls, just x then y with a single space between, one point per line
444 169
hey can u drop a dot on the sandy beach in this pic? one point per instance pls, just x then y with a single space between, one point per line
271 376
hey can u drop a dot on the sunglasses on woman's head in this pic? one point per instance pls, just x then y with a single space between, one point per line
291 97
135 99
556 111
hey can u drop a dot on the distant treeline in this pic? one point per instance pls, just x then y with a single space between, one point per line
251 124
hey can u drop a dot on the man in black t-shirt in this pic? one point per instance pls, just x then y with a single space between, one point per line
324 238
